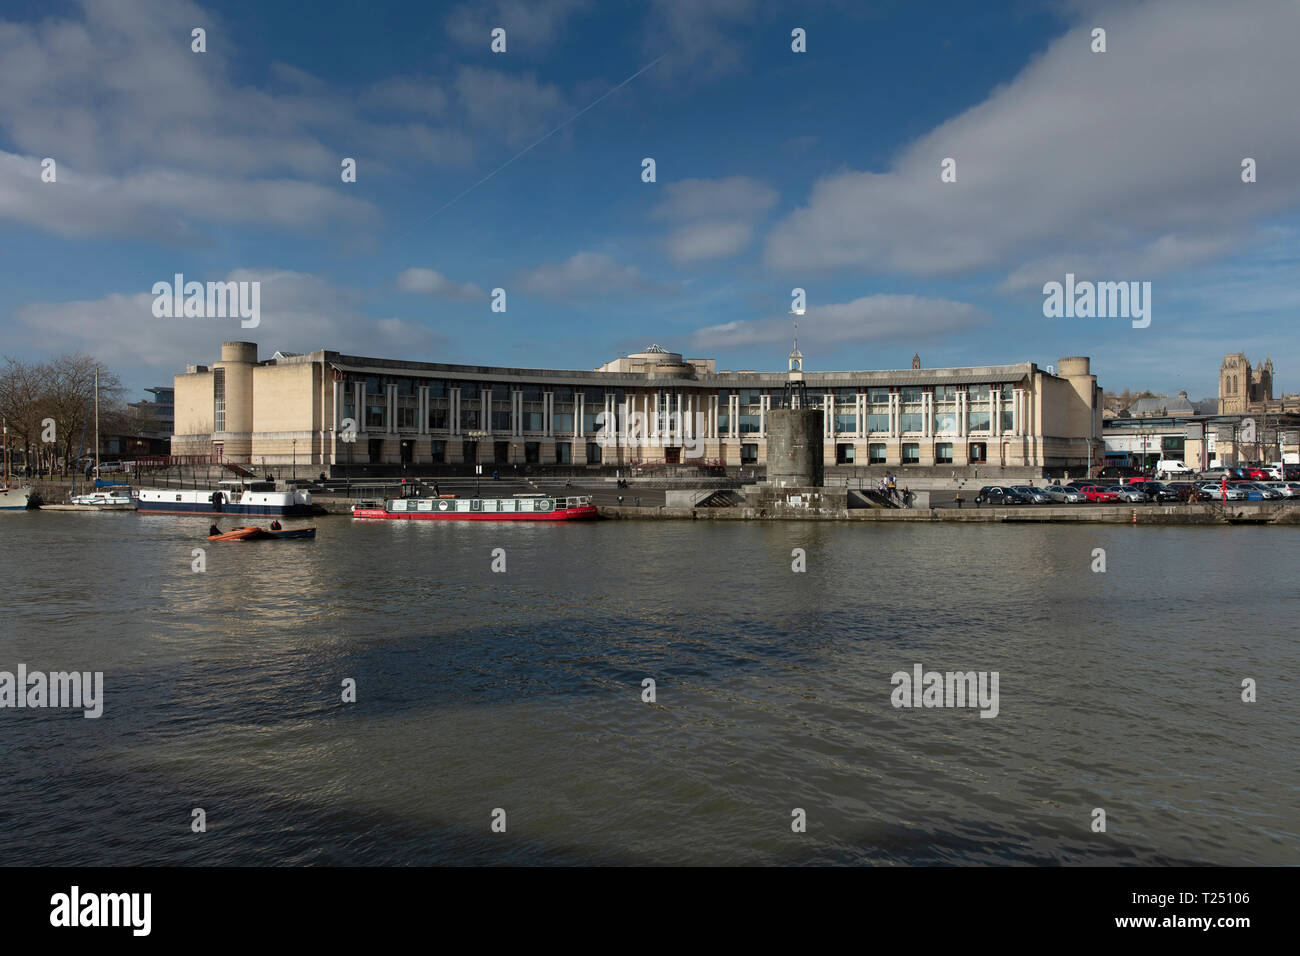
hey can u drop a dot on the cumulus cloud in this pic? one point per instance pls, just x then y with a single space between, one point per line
299 313
584 273
719 215
1129 158
530 25
871 319
515 108
429 282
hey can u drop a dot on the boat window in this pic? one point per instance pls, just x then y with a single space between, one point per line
508 505
462 504
399 505
490 504
426 505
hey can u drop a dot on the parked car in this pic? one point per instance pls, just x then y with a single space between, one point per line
1065 494
1037 496
1159 491
1217 491
1129 493
1282 488
1215 474
999 495
1098 493
1188 491
1255 491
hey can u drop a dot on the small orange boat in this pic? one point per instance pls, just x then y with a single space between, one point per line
238 534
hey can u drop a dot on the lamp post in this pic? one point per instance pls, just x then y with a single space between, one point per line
294 444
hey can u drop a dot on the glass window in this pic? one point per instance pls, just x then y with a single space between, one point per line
943 453
911 452
375 416
532 452
849 395
749 424
374 384
724 397
748 453
500 391
469 451
843 454
878 424
593 453
438 449
532 393
405 386
563 423
978 393
912 395
724 423
846 423
945 393
910 421
977 421
437 388
562 394
532 421
945 423
469 418
405 416
878 396
1008 391
978 451
437 418
876 453
500 421
1008 416
563 453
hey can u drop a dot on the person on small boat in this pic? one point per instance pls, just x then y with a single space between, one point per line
214 530
275 526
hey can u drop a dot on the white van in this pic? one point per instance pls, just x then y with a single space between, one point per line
1171 466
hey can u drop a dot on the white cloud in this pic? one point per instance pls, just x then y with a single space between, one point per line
429 282
530 25
299 313
1129 158
720 215
874 319
583 273
515 108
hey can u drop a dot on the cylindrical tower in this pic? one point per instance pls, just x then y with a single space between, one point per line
795 447
233 393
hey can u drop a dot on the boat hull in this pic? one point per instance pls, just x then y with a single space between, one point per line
205 508
14 499
584 513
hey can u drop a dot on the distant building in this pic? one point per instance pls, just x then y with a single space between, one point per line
1247 391
156 420
645 409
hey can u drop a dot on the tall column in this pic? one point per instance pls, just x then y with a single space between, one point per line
579 408
453 410
392 409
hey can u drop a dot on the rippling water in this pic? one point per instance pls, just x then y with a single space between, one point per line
522 690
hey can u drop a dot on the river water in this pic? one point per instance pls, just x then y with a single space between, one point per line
522 691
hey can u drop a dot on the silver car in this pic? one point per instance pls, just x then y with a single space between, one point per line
1061 495
1216 490
1129 493
1038 496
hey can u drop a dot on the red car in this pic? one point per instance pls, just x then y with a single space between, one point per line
1098 493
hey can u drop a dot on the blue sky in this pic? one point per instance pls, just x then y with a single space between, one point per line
775 170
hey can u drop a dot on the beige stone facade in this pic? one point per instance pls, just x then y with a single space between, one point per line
647 408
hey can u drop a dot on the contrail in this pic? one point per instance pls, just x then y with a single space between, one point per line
462 195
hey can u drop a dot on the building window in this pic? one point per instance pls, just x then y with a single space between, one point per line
501 452
878 424
911 452
438 451
978 452
405 416
977 421
878 396
438 418
749 424
500 421
943 453
911 396
844 454
909 421
469 451
532 421
218 399
748 453
1008 419
846 423
376 451
876 453
978 393
563 453
532 452
945 423
593 453
724 424
374 416
562 423
469 419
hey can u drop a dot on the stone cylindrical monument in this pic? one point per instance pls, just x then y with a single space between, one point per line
795 447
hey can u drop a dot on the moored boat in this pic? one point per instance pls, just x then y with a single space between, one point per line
104 499
254 533
518 508
230 498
